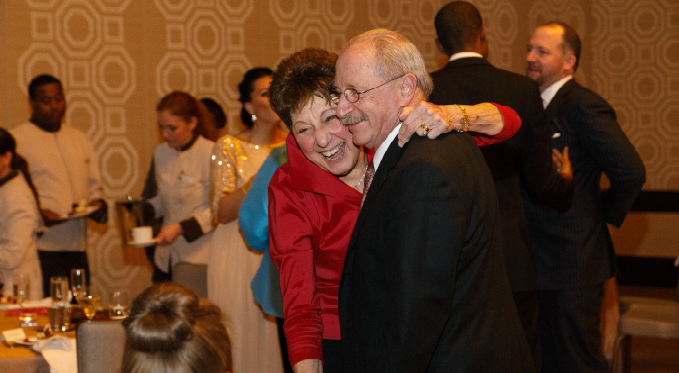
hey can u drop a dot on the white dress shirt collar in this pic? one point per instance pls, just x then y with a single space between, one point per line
459 55
549 93
379 153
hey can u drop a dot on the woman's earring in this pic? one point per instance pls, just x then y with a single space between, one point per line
254 118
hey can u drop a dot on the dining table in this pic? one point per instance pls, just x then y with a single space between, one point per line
22 358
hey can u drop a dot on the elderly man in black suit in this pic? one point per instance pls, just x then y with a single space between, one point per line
424 287
522 165
573 250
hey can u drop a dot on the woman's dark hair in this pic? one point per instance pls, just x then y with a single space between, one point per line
186 106
8 144
216 110
245 88
299 78
170 330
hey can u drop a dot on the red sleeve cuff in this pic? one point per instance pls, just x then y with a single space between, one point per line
304 353
512 123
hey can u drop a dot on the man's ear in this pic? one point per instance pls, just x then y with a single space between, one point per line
569 64
408 89
439 46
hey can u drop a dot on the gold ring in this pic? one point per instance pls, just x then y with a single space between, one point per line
425 129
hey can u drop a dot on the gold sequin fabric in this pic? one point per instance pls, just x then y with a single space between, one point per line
233 163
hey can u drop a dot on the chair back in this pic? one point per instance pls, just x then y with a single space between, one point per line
192 276
100 346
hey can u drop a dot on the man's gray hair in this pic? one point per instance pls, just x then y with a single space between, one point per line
395 55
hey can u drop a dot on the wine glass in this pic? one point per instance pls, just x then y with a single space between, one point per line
89 300
78 282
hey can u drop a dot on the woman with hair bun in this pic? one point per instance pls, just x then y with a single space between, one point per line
235 161
19 220
170 330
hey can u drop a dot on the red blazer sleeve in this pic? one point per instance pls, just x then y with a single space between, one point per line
291 248
512 123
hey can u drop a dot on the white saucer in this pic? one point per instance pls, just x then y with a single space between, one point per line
142 243
88 210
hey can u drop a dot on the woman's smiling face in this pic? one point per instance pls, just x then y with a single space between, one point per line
323 139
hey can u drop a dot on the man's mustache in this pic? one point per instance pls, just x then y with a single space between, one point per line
353 119
532 66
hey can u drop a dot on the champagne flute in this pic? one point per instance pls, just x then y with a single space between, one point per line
21 288
78 282
59 290
89 300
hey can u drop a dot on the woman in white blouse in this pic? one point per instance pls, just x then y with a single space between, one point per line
19 221
182 173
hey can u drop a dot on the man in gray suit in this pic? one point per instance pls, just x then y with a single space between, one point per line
573 251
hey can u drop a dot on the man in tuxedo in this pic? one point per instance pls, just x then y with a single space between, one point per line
424 287
573 250
522 165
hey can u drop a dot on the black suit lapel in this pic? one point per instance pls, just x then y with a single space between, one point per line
557 102
388 162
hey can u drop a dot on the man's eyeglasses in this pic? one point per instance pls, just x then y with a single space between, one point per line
352 95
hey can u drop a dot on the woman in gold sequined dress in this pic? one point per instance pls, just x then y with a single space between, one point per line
232 265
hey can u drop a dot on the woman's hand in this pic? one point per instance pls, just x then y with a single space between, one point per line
308 366
434 117
483 118
168 234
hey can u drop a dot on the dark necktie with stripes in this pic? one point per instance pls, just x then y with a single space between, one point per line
367 179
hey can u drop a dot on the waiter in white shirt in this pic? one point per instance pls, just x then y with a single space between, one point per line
65 172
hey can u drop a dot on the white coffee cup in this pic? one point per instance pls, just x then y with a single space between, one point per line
142 234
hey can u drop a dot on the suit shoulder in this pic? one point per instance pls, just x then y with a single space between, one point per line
517 81
448 148
585 96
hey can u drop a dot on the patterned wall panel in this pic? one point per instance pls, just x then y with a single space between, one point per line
636 53
83 43
116 58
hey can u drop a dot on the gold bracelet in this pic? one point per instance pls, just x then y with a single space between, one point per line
247 186
466 119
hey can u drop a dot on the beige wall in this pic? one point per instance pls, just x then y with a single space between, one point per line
117 57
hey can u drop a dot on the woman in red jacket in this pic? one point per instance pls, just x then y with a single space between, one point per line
315 198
